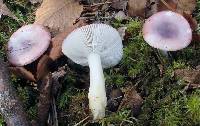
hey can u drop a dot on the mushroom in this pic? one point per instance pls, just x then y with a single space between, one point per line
167 31
27 44
97 46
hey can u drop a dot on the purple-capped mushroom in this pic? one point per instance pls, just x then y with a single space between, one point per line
27 44
97 46
167 31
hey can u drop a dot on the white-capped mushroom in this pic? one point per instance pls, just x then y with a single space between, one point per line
167 31
97 46
27 44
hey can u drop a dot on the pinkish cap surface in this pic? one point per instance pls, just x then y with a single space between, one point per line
167 30
27 44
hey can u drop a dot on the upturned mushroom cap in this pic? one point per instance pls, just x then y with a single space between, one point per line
167 30
95 38
27 44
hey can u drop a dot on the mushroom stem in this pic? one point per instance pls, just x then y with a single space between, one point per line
167 55
164 53
97 94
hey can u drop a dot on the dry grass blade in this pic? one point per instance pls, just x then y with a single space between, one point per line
58 14
5 11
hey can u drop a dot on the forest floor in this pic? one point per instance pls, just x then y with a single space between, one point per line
144 89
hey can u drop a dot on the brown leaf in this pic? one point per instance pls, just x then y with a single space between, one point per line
55 50
56 43
192 21
180 6
131 100
115 98
151 7
118 4
190 76
43 67
137 7
167 5
187 6
196 37
5 11
22 72
58 14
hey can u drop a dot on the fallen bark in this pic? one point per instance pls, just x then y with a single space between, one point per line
10 106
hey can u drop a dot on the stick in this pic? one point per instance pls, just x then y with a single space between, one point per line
11 107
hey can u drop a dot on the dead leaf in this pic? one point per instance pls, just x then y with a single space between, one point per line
43 67
187 6
5 11
22 72
114 99
151 7
180 6
167 5
118 4
55 50
190 76
131 100
192 21
196 37
56 43
35 1
137 7
58 14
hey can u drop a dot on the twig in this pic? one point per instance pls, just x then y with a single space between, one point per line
82 121
55 119
11 107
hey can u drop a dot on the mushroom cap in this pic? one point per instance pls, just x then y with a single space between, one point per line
167 30
95 38
27 44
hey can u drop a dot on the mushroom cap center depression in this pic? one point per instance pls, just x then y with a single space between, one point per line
167 30
25 45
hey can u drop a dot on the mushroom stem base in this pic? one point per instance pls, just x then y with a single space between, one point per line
97 94
164 53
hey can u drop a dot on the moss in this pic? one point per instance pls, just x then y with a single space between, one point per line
122 117
193 107
64 99
117 23
134 27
